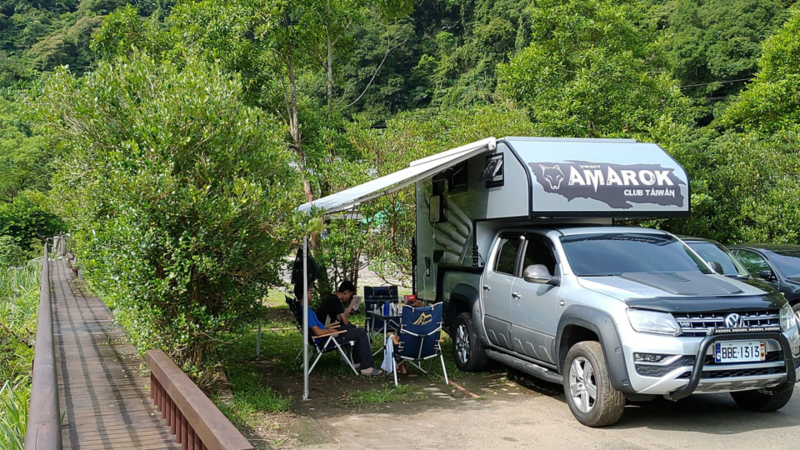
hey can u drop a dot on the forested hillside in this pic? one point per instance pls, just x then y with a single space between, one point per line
174 138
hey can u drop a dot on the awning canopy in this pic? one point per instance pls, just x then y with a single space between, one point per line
418 170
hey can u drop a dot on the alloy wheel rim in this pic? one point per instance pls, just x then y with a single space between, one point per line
582 384
462 344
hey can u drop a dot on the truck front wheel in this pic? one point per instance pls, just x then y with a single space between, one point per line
762 400
590 396
467 347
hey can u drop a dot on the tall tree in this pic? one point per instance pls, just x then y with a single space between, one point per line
593 69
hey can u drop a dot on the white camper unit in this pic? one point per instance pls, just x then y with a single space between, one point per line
524 181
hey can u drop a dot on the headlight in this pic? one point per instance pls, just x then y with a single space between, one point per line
787 317
653 322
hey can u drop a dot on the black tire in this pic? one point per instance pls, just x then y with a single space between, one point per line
470 355
762 400
608 403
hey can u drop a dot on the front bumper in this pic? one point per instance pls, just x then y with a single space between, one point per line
692 368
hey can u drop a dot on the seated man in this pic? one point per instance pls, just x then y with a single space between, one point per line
362 355
332 308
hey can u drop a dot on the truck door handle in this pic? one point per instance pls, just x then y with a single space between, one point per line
516 295
486 287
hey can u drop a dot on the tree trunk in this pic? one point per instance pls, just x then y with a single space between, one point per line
330 56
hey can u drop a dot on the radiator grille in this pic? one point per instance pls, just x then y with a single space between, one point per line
698 324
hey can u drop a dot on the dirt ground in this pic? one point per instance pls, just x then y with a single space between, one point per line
511 411
312 422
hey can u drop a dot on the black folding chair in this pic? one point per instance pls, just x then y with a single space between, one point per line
420 335
324 344
376 297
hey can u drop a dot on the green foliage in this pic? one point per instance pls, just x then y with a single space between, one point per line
19 301
180 196
592 71
13 414
771 102
459 65
10 253
29 219
23 159
718 40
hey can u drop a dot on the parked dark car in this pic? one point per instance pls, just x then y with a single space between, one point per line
778 265
717 256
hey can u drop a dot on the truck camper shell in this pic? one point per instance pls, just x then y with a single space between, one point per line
526 181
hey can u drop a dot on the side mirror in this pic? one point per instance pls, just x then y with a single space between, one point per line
767 275
717 267
538 273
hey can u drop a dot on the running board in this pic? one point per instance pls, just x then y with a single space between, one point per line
524 366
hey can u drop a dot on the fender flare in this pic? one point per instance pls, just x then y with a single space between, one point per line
604 327
468 294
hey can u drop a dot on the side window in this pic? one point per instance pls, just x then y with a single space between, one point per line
507 259
537 252
752 261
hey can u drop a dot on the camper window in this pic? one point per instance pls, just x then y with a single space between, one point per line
507 257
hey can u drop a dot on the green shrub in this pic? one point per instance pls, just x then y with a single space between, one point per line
28 219
181 197
10 253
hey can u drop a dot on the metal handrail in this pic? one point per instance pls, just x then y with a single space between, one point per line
44 424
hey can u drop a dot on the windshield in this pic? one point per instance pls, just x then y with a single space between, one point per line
711 251
618 253
788 262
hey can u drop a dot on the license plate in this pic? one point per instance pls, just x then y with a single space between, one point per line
739 351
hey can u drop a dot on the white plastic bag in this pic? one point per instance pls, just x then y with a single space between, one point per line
387 365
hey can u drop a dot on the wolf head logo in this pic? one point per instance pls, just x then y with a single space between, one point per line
553 175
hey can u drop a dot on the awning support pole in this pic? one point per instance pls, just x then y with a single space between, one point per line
305 317
258 336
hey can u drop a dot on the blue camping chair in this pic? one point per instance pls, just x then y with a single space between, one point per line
377 297
324 344
420 333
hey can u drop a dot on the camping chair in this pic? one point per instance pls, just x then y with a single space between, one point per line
321 345
377 297
420 334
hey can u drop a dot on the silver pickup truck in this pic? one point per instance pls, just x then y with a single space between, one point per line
618 312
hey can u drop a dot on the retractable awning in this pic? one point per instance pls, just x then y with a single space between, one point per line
417 170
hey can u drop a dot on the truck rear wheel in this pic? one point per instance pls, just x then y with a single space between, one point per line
468 350
590 396
762 400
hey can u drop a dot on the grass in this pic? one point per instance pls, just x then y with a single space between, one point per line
19 301
387 394
251 396
14 413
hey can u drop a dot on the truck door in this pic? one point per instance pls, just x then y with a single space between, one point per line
497 281
534 306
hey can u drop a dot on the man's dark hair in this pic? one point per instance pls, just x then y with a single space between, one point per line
347 285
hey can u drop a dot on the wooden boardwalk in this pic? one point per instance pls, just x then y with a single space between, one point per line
102 396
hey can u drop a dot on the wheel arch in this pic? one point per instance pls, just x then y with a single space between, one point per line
466 298
581 323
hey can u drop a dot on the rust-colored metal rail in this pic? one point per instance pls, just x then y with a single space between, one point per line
192 417
44 424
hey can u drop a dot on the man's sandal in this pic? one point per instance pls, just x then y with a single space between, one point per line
373 373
